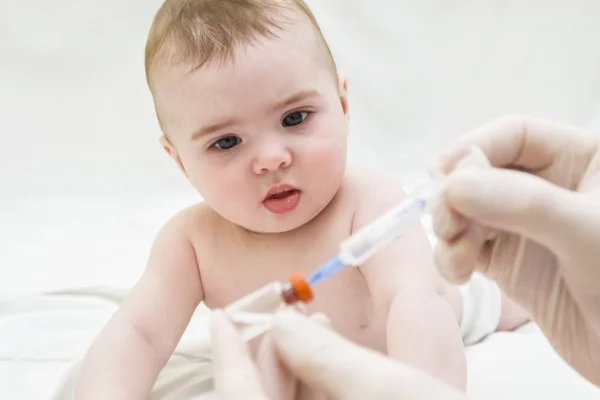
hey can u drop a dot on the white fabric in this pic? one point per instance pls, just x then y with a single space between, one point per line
84 185
44 336
481 308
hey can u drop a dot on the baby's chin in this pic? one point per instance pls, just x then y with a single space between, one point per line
277 226
273 224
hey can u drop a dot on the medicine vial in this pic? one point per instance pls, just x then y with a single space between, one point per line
252 314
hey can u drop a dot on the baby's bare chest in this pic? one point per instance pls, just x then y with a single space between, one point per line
233 270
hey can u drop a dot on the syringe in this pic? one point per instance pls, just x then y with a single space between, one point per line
356 249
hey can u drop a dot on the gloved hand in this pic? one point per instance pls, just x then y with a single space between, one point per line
532 224
323 361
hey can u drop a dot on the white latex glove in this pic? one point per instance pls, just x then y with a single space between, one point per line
533 225
322 360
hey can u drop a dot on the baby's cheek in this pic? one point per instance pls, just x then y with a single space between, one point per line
217 184
234 190
328 157
232 185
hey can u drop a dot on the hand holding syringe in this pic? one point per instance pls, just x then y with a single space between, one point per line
255 310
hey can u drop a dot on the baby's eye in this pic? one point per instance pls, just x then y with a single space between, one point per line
227 142
295 118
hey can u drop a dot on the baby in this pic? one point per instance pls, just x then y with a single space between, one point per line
255 115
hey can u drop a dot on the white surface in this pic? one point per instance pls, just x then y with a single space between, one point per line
84 186
42 338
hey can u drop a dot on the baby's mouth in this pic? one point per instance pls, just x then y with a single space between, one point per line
282 201
282 195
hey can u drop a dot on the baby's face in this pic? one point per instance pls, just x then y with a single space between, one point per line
263 138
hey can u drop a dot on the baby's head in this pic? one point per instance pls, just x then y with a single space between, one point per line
250 105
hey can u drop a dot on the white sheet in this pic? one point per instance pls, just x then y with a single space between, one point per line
84 186
43 338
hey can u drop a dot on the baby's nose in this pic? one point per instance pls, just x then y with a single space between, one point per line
271 158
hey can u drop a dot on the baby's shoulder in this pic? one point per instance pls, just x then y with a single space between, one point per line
367 186
373 194
191 223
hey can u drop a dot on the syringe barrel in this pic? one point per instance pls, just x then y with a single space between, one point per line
379 233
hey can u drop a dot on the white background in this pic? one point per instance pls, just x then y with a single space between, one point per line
84 185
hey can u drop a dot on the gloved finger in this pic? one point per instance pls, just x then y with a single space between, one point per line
235 375
325 360
520 142
446 223
321 319
300 307
320 357
537 209
441 256
495 255
306 392
490 233
277 381
521 270
457 260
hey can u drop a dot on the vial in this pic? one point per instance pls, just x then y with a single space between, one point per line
252 314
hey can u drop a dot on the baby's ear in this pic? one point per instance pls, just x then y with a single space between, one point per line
343 91
171 151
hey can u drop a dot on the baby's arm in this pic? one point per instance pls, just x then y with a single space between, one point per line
422 327
126 358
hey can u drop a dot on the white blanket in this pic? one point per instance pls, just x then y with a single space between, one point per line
43 337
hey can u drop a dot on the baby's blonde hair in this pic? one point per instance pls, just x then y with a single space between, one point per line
201 31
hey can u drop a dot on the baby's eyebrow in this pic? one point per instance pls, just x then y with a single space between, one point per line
206 130
299 96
